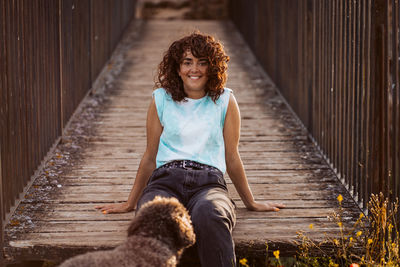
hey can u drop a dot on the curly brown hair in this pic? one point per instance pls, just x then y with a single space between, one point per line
201 46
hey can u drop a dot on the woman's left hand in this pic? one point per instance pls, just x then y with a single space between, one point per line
267 206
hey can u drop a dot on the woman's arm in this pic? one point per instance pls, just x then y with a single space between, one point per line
234 163
146 166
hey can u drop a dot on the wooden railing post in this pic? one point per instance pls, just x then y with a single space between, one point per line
2 122
2 214
378 83
2 126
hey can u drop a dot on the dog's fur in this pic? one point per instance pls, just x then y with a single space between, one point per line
157 236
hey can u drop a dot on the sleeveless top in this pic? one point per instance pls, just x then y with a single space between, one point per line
192 129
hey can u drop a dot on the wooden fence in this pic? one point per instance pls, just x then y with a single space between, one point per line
337 64
51 52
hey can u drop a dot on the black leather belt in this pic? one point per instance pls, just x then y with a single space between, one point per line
189 164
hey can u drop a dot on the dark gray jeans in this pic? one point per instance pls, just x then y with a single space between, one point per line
205 195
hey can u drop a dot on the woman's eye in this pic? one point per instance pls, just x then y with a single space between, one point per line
186 63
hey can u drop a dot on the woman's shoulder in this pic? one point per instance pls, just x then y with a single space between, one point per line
161 93
226 94
223 98
228 90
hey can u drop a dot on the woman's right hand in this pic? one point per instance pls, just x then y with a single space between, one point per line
115 208
146 166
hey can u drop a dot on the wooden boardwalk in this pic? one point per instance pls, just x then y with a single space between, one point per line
97 159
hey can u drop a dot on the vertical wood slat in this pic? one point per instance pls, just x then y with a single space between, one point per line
32 115
327 67
388 102
351 93
347 55
359 89
368 146
385 102
335 87
377 81
11 96
320 74
328 75
19 95
339 89
394 89
331 76
3 111
315 125
345 88
342 83
27 79
396 71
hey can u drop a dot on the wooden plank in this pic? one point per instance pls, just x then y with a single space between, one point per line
57 205
260 187
260 193
128 179
266 176
274 225
92 214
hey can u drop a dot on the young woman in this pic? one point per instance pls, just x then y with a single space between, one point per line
193 128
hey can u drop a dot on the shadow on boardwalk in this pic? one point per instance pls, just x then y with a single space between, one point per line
99 154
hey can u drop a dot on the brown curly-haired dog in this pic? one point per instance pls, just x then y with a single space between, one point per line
157 236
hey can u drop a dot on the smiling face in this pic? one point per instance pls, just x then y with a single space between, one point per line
193 72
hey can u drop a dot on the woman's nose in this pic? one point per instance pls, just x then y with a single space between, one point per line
195 67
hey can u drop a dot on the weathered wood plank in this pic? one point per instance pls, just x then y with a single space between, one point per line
259 194
292 207
259 189
242 213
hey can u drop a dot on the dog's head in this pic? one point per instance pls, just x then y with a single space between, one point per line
165 219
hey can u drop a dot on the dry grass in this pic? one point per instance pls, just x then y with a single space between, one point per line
371 241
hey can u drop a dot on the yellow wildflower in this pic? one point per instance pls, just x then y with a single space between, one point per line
370 241
243 262
351 239
332 264
336 241
361 215
340 198
340 224
311 226
276 254
359 233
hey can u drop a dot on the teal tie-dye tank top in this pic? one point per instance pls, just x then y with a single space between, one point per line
192 129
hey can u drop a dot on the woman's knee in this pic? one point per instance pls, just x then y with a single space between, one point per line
213 214
150 194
